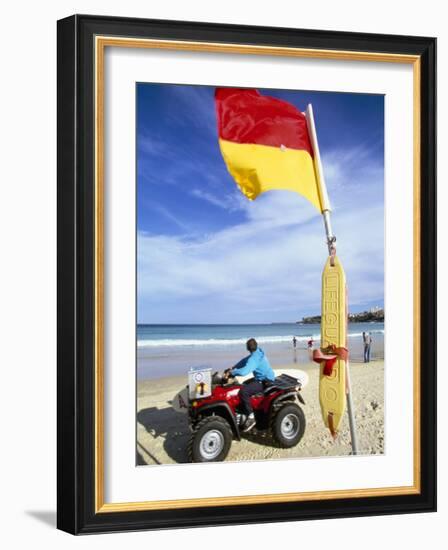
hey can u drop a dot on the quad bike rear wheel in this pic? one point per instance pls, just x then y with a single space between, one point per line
287 424
210 440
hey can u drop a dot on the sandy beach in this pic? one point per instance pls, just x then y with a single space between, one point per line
163 433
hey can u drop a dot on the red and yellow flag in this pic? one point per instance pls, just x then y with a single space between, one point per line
265 144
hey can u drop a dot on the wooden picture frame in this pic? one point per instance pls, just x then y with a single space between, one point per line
82 40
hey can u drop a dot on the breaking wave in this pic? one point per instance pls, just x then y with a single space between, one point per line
183 342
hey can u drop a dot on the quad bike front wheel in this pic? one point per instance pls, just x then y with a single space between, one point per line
288 425
210 440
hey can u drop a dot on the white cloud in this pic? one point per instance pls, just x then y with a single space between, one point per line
196 103
352 169
170 217
152 146
231 202
268 266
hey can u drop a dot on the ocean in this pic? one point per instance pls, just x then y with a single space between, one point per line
167 350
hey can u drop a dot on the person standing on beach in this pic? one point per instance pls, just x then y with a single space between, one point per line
258 364
294 342
310 348
367 339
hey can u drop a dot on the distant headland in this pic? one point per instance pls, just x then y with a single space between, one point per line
374 314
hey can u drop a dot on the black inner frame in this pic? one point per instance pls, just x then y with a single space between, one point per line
76 262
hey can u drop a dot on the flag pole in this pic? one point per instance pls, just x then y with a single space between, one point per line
331 239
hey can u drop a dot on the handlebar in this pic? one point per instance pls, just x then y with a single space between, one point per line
227 374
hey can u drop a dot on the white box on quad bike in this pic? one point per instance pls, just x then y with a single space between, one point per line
199 382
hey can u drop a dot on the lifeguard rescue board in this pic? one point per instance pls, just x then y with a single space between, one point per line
332 388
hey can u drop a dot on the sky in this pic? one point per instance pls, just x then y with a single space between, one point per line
206 254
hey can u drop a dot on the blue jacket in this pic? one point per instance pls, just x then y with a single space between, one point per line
257 363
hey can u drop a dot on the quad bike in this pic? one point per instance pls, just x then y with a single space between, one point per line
215 418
